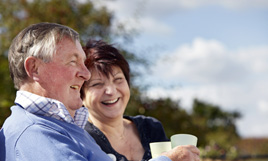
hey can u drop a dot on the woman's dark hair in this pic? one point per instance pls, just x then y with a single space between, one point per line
102 56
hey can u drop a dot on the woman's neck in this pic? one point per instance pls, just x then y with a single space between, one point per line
110 127
123 136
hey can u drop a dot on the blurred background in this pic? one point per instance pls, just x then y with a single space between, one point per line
199 66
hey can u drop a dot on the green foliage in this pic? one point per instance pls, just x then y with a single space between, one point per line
83 17
6 90
214 127
218 125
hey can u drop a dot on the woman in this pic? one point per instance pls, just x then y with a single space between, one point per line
106 96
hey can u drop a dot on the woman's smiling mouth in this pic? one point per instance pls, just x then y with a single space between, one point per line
110 101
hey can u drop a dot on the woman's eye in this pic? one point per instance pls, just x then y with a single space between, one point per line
96 84
118 79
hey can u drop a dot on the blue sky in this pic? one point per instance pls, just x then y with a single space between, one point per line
214 50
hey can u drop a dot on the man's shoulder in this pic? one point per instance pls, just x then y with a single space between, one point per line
17 120
21 122
22 130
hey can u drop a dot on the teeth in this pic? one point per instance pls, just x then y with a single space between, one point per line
112 101
74 87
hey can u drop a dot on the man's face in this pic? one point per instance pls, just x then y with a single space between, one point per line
63 77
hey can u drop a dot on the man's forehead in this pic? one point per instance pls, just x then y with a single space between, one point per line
72 47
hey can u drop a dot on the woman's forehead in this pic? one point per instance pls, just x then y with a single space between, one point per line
111 71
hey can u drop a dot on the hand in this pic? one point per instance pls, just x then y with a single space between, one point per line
184 153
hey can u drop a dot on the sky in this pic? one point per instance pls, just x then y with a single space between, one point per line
212 50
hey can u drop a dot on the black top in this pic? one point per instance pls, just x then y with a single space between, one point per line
149 129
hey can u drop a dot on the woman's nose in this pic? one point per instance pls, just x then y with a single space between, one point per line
110 89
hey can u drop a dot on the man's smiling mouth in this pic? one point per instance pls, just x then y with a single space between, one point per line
75 87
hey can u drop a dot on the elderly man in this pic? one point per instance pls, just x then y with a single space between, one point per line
46 64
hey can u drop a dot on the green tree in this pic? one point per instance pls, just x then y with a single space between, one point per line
173 118
217 129
214 127
211 119
6 90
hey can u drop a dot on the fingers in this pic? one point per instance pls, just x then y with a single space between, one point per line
193 149
195 152
184 153
187 153
197 158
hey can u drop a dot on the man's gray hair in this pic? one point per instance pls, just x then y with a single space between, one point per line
38 40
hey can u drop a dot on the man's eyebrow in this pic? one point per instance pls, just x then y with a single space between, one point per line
76 55
84 57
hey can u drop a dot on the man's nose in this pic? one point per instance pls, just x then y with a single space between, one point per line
84 73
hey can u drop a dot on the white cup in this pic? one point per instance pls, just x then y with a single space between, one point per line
157 148
183 139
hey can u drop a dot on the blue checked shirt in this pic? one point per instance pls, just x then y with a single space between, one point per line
50 107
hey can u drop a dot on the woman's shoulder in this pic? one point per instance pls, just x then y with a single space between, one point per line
143 119
145 122
150 128
95 132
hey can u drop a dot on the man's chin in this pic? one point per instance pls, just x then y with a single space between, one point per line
72 108
76 106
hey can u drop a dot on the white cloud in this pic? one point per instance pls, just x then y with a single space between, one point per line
205 61
170 5
205 69
253 125
151 26
207 64
125 8
150 16
255 58
132 15
263 106
243 4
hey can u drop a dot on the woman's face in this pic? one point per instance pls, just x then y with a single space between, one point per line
106 98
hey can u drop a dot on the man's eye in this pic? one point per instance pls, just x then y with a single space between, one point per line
73 62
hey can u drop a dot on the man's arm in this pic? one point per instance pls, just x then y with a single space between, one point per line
43 143
180 153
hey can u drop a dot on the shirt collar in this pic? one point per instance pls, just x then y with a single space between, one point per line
50 107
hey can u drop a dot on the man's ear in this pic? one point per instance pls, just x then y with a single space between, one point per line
31 65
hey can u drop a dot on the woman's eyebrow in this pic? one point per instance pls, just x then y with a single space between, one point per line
97 79
119 72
